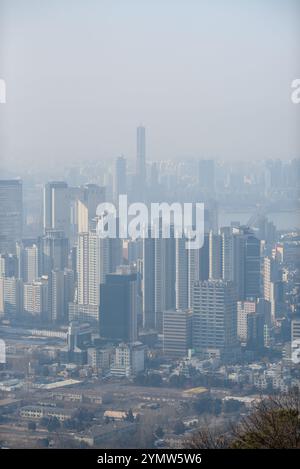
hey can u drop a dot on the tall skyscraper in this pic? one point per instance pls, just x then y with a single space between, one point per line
57 311
56 207
53 251
11 214
182 274
214 316
164 281
240 260
148 283
252 265
215 256
93 263
118 307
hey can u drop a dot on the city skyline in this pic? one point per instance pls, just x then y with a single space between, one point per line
195 74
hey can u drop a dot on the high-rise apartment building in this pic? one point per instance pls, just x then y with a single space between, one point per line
36 299
214 316
11 296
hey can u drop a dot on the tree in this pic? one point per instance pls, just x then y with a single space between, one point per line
159 433
53 425
179 427
31 426
42 443
44 422
274 423
232 405
129 416
178 381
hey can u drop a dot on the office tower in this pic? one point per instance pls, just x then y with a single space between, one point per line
8 265
252 265
69 289
177 332
120 177
204 259
181 274
215 256
56 282
214 316
148 283
118 309
141 161
11 296
56 208
164 277
194 259
11 214
227 240
54 247
240 260
36 299
206 175
28 262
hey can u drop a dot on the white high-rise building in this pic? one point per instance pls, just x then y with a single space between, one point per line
56 207
28 262
93 263
244 310
11 296
214 315
36 298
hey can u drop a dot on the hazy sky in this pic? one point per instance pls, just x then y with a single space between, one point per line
207 78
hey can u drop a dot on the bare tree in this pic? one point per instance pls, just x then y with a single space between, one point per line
274 423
